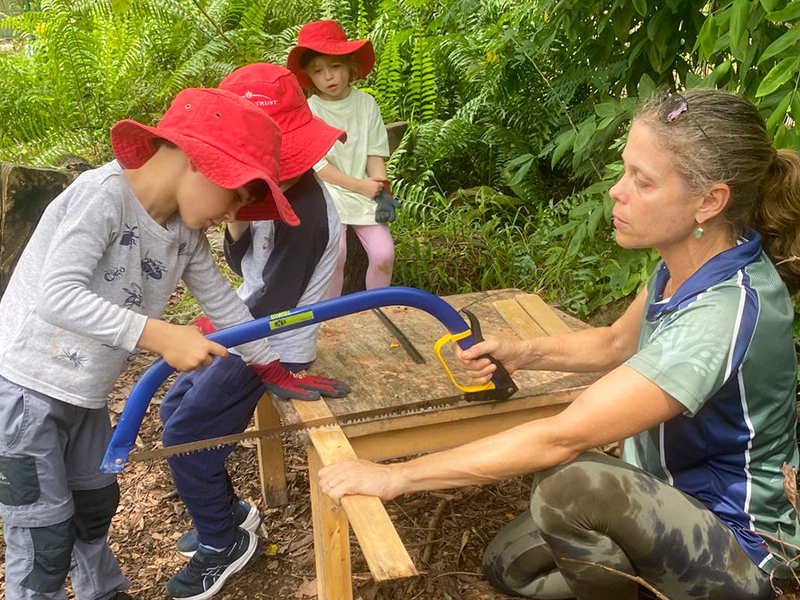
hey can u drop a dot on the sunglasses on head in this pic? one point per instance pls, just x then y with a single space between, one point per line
682 108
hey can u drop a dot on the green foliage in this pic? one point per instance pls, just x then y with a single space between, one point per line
517 110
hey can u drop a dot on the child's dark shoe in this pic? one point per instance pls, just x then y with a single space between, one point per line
208 569
244 516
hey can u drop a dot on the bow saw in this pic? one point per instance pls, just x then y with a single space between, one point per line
501 387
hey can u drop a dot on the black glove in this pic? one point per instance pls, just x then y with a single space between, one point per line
387 205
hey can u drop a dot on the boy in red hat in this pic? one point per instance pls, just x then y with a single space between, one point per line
283 267
326 62
86 293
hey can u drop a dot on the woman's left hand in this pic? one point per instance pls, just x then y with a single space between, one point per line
359 477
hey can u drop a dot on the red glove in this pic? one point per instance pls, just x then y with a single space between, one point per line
285 384
204 324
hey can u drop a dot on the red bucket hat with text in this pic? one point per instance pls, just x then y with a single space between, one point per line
328 37
228 139
275 90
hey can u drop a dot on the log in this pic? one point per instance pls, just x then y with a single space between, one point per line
24 194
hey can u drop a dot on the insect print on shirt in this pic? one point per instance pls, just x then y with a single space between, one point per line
129 236
152 267
134 296
182 249
267 244
72 356
114 274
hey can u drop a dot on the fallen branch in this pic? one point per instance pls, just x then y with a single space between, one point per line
635 578
433 525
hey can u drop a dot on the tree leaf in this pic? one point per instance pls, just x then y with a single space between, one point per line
707 38
779 114
769 5
585 134
594 219
621 21
520 174
582 209
786 41
796 108
780 74
600 187
606 109
790 13
740 15
564 143
717 74
519 160
641 7
646 86
576 241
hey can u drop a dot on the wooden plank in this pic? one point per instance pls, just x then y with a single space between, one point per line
271 468
564 390
519 320
543 314
379 370
439 436
331 539
383 550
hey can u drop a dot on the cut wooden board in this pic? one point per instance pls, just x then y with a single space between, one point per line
518 319
270 455
544 316
331 539
383 550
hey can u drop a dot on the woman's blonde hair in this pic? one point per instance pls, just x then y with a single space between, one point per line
719 137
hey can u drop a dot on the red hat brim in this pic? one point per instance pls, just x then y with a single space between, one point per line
305 146
362 51
133 146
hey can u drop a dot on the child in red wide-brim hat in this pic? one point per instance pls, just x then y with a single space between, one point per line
326 62
89 291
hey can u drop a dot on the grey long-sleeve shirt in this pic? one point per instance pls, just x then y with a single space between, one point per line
94 270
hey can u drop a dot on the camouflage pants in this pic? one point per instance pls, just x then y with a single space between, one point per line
600 509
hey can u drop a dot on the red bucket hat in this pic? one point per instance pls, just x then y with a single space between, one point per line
275 90
229 140
328 37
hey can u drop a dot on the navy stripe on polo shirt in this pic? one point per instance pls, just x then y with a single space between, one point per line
722 346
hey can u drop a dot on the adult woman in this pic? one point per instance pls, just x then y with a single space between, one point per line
701 382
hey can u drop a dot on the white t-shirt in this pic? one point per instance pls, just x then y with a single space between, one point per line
360 117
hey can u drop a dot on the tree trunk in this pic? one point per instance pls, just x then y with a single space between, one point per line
24 194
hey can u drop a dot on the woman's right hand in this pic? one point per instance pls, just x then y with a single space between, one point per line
370 186
183 347
511 353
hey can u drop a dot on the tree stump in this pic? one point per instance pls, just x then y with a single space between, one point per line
355 266
24 194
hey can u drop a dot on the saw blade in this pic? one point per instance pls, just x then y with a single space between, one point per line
436 405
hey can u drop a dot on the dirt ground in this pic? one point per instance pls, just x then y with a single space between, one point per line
444 532
150 519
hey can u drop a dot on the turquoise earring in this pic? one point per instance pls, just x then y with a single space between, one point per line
698 233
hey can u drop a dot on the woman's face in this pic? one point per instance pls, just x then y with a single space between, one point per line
652 206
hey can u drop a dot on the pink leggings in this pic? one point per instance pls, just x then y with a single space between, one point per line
378 244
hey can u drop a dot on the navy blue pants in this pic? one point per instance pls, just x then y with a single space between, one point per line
214 401
210 402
